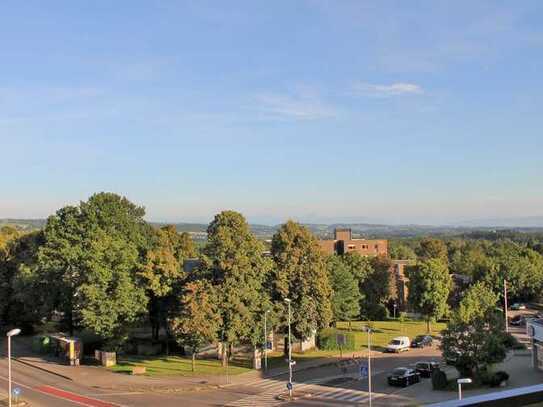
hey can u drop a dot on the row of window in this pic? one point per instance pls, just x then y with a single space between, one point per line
363 247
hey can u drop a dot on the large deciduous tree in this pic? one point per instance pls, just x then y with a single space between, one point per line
429 287
345 292
376 288
198 321
430 248
162 273
300 274
474 336
238 270
89 258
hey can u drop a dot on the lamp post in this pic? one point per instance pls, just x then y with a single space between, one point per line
369 364
505 305
395 305
287 300
266 340
11 333
460 383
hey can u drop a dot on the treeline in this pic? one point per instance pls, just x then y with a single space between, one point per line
99 266
515 257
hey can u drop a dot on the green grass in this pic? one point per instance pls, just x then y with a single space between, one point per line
384 331
177 366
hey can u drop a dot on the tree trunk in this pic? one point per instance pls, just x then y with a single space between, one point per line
428 325
193 360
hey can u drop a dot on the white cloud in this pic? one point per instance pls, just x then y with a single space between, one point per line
394 89
305 107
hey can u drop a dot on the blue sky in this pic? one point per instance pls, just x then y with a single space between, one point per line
386 111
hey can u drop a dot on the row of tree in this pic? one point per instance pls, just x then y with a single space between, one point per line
100 266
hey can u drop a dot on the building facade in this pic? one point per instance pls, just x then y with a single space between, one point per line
343 242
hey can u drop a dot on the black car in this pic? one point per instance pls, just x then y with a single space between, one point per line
421 341
425 369
518 320
403 376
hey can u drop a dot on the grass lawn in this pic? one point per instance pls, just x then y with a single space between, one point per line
177 366
384 331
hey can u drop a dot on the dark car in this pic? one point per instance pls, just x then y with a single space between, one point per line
403 376
421 341
518 320
425 369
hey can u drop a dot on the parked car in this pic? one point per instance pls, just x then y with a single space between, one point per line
398 344
518 320
425 369
451 360
403 376
421 341
518 306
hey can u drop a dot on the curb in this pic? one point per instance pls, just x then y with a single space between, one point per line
43 369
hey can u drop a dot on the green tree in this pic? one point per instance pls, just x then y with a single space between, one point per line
376 288
401 251
162 273
345 293
237 268
199 320
474 335
430 248
429 287
89 259
300 274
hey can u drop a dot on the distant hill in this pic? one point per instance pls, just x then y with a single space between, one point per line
324 231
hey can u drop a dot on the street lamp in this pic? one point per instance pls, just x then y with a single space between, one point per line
266 340
369 364
395 305
287 300
460 383
11 333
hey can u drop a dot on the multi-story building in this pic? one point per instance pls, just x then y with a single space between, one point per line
344 243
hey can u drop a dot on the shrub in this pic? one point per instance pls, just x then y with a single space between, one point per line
493 379
510 341
439 380
327 339
375 312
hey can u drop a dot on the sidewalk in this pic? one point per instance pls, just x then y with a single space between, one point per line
99 377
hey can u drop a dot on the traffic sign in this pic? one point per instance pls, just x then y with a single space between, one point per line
16 391
269 345
363 371
289 386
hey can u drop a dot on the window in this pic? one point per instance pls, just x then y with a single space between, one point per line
351 247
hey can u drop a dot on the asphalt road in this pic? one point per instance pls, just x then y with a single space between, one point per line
42 389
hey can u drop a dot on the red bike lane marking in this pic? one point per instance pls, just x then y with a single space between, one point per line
76 398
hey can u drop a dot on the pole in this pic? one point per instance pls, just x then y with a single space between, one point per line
459 391
289 355
9 371
369 364
505 304
265 341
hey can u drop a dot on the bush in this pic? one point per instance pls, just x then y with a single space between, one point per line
493 379
510 341
327 339
439 380
375 312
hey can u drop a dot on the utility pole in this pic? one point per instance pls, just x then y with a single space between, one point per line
505 304
11 333
266 340
287 300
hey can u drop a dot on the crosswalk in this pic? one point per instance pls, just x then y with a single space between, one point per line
272 388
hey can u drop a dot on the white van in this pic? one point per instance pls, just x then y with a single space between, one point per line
398 344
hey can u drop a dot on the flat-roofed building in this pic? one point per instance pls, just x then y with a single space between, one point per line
343 242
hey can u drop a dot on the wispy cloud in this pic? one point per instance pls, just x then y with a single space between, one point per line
394 89
297 107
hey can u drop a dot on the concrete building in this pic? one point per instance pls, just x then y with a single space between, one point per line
344 243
